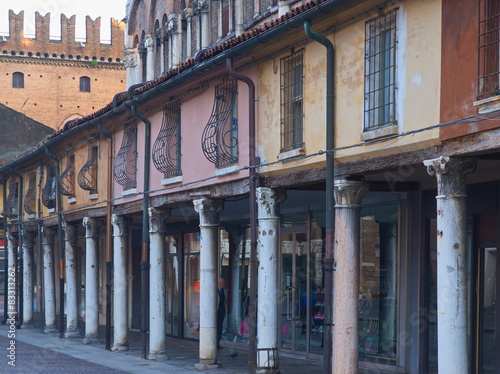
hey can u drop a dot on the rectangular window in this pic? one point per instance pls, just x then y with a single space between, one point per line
380 71
292 87
489 44
18 80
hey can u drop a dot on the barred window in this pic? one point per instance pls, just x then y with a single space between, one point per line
87 177
380 71
489 44
292 88
30 197
18 80
67 177
13 198
125 168
84 84
49 190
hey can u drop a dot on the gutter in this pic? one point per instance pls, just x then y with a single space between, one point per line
60 242
330 202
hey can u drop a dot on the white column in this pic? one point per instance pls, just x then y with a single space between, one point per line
120 303
208 210
189 32
91 280
348 196
206 25
130 62
48 280
72 289
239 11
150 60
451 262
12 244
283 7
176 36
268 202
28 243
157 223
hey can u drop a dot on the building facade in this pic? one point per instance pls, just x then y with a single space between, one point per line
329 159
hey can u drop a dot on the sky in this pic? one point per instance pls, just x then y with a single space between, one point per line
94 8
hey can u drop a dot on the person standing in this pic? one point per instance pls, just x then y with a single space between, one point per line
221 309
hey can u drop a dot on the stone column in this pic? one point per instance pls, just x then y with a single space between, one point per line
91 280
72 289
150 60
451 262
239 20
130 62
157 225
283 8
206 25
208 210
120 304
48 280
348 196
28 243
12 244
176 36
268 202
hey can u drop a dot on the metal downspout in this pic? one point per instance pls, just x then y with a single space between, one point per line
109 241
145 228
60 243
252 316
330 203
20 245
6 259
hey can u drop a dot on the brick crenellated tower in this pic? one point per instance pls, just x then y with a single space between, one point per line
53 81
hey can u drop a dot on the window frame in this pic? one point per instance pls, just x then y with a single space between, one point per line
17 80
85 85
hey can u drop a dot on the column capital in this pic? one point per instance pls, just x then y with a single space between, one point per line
268 202
451 174
28 238
209 210
130 58
91 227
70 231
12 238
120 224
348 193
158 219
48 235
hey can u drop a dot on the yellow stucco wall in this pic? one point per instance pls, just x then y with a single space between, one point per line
417 95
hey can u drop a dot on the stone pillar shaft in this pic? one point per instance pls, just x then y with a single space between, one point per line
157 226
120 304
451 262
12 244
268 202
348 196
28 243
72 289
48 280
209 229
150 60
91 280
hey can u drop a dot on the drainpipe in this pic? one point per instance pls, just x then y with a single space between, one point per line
61 243
145 226
5 258
252 315
330 203
108 236
20 244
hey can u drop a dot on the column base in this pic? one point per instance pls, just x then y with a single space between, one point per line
27 325
51 329
91 340
202 366
119 348
157 356
72 334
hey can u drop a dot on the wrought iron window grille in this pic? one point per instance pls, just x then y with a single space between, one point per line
166 152
67 177
380 71
125 168
87 176
489 44
13 198
291 98
30 197
49 190
219 140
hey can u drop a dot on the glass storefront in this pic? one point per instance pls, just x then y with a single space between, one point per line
192 243
172 285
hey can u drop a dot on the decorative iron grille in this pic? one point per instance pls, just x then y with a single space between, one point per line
30 197
67 177
167 146
380 71
291 98
125 168
87 177
49 190
489 44
219 140
13 198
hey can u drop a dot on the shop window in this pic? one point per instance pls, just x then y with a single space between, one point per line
192 245
489 44
291 98
18 80
84 84
380 71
